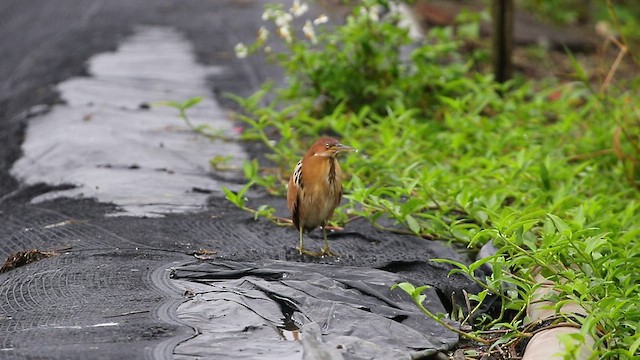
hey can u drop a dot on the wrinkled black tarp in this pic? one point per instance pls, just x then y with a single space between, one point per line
242 309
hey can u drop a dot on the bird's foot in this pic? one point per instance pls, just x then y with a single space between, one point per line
327 252
304 251
333 228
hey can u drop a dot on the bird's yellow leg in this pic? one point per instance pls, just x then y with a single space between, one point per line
301 248
325 248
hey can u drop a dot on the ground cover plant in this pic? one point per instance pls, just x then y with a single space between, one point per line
546 170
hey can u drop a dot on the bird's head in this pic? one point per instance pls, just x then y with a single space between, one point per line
328 147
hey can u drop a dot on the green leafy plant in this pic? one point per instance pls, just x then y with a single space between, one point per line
202 129
363 63
418 298
542 169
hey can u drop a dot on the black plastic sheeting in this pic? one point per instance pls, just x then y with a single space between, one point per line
243 310
107 293
100 296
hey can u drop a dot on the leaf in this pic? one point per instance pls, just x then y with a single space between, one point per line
504 339
451 102
230 195
634 346
544 176
244 189
250 168
419 290
414 292
238 199
173 104
452 262
191 102
578 217
479 297
405 286
412 223
593 243
560 225
579 70
411 205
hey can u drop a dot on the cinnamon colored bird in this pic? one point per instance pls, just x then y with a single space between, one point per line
315 189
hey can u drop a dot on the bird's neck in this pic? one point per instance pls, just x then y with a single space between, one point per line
323 167
333 166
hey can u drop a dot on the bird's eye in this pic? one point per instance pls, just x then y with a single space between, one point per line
327 145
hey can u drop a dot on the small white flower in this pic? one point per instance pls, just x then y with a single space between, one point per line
241 51
263 34
373 13
283 19
297 9
308 31
321 19
267 49
268 14
285 33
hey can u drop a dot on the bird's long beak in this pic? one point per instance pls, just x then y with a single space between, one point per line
341 147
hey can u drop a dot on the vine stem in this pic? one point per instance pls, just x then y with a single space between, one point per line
452 328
